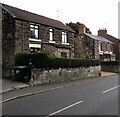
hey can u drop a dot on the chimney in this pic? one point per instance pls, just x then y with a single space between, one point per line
102 32
82 29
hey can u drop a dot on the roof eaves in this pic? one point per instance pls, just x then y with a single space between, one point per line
51 22
1 5
98 38
113 37
70 30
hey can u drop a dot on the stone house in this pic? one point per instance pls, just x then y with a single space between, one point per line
95 46
23 31
116 46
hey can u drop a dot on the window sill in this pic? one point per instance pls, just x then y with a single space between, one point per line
100 53
34 46
51 41
65 43
106 52
38 40
111 52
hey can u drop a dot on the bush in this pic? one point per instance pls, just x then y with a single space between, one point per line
43 61
111 62
22 59
87 56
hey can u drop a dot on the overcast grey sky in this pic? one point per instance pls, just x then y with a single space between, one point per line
95 14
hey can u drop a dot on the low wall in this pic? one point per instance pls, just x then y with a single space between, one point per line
111 68
62 75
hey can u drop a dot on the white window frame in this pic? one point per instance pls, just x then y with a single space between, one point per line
51 32
35 29
64 37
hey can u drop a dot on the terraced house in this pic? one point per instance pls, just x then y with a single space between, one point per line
116 41
23 31
97 47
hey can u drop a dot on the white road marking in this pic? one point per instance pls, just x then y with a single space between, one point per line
65 108
110 89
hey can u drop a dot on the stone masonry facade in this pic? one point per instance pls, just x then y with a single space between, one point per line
95 47
16 38
116 45
22 34
8 39
85 45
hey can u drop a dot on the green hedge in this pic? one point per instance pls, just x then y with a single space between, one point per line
43 61
111 62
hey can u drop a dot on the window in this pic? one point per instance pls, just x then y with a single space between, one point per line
106 46
51 31
111 47
100 46
64 54
34 50
64 37
34 31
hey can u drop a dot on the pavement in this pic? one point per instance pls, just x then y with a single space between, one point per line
9 85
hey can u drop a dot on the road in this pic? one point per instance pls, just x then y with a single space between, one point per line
96 97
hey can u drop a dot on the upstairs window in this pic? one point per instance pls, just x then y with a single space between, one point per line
64 37
111 47
100 46
51 32
34 31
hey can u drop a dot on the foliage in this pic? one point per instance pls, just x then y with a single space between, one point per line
110 62
75 27
87 56
43 61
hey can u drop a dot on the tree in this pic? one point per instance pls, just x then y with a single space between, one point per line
75 27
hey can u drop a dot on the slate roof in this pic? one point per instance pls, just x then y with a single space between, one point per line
32 17
98 38
113 37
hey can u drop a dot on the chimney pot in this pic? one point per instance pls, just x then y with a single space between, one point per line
102 32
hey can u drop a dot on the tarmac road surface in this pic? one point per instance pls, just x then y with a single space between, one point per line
96 97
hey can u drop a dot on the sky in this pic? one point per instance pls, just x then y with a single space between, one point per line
95 14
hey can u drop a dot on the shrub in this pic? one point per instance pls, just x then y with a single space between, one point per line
43 61
111 62
22 59
87 56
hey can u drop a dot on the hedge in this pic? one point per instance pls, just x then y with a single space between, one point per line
111 62
43 61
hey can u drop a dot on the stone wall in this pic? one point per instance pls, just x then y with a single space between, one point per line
8 40
107 47
96 49
22 35
44 34
56 51
111 68
56 47
62 75
85 45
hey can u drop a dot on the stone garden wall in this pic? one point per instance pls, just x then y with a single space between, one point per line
111 68
62 75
